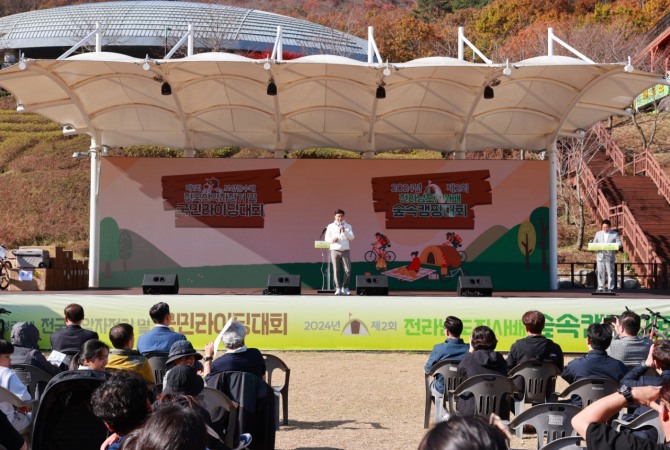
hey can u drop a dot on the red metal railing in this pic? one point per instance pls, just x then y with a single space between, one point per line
611 148
647 164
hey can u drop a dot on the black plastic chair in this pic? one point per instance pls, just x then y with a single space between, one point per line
64 419
590 389
273 363
256 399
33 377
490 393
157 363
448 369
550 420
566 443
647 418
223 412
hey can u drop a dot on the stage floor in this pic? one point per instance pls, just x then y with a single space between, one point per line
561 293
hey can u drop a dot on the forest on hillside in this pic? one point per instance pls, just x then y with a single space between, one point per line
605 31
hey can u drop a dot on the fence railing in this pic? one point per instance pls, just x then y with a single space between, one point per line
583 274
647 164
611 148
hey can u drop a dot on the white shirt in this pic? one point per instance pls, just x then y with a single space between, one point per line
334 230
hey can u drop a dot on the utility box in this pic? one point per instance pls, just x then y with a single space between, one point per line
31 258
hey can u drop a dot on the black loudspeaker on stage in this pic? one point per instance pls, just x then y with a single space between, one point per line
164 283
372 285
471 286
283 285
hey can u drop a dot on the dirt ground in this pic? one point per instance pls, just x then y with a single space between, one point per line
358 400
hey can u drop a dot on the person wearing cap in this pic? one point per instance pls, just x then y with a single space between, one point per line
184 380
25 338
122 355
238 357
161 337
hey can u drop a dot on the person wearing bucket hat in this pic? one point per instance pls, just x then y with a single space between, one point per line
182 353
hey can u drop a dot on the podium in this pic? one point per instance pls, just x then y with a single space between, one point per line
596 247
326 284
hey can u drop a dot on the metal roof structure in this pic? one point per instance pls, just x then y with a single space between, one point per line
151 23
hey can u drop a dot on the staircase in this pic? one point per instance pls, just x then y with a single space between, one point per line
637 205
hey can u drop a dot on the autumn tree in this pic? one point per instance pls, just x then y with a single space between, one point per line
526 240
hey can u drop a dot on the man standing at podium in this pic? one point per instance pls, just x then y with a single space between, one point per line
605 258
338 235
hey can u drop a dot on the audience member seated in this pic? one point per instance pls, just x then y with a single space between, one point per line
452 348
183 380
658 359
171 427
467 433
9 437
93 355
591 422
238 357
122 403
596 363
73 335
161 337
182 353
534 347
214 439
11 382
482 359
122 356
25 338
627 346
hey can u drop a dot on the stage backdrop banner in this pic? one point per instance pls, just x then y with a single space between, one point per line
328 323
231 223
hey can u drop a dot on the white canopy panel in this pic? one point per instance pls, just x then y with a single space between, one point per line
220 99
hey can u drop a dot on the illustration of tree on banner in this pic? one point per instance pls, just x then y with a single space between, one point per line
540 220
527 240
109 247
125 247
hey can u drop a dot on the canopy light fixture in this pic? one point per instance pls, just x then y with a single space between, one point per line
146 66
20 108
507 71
629 67
69 130
272 88
488 92
381 91
166 89
581 133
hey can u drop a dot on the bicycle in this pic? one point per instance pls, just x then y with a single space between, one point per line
650 328
371 255
5 267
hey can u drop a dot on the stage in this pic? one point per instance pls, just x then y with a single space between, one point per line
402 321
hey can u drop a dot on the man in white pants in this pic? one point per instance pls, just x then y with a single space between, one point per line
338 234
605 258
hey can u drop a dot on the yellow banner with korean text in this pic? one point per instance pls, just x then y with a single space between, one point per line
319 322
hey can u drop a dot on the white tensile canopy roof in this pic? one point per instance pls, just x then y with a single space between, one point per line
220 99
